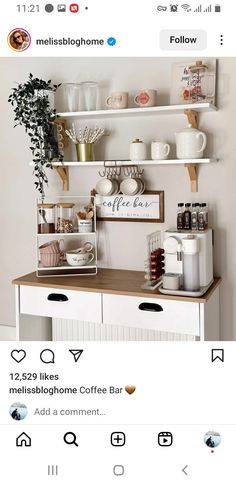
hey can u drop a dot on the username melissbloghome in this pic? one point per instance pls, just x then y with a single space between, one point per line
70 41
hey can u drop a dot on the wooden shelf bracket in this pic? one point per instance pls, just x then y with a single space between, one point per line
192 171
63 172
192 117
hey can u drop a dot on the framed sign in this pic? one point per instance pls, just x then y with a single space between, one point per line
148 207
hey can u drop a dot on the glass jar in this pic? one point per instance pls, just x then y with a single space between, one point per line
197 81
65 217
89 95
71 96
46 218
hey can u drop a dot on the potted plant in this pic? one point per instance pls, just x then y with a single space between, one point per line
31 106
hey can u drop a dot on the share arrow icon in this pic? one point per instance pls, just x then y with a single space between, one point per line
76 353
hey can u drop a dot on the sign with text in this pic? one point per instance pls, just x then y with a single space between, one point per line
148 207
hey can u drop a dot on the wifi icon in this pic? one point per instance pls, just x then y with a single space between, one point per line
186 7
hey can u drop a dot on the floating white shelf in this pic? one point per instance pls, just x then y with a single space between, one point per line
65 266
66 234
190 164
110 113
191 110
123 163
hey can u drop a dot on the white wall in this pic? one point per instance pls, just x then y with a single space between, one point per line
121 245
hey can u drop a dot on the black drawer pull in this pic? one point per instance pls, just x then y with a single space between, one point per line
150 307
57 297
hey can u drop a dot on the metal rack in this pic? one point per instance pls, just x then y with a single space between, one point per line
71 241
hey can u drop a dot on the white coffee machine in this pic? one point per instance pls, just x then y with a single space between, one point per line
190 253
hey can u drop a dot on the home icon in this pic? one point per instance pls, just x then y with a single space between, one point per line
23 440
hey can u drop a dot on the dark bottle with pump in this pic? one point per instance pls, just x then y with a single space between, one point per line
194 217
180 215
201 218
205 209
187 217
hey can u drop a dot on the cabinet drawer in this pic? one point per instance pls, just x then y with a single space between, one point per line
52 302
151 313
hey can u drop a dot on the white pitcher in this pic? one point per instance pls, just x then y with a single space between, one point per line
190 143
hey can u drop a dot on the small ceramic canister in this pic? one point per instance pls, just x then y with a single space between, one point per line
138 150
85 225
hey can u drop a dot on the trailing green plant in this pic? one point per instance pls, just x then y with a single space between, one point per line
32 110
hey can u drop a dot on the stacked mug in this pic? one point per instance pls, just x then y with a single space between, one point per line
132 185
51 253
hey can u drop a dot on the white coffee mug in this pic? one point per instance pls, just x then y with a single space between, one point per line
160 150
146 98
117 100
79 259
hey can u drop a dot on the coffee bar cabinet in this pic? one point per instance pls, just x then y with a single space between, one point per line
111 306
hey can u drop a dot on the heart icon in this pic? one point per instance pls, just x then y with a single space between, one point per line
18 355
130 389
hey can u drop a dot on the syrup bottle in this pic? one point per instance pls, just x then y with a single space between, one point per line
187 217
180 214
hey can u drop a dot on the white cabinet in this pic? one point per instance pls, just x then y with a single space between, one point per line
111 306
152 313
53 303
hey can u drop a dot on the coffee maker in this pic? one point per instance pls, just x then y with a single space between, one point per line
190 256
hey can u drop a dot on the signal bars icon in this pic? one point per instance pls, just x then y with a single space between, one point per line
198 9
208 9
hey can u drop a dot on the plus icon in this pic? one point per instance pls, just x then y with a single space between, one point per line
118 438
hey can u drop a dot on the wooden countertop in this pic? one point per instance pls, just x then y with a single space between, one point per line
115 281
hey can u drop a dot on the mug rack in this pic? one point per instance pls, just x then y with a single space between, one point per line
115 170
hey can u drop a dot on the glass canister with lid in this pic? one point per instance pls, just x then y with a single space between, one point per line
198 73
65 217
46 218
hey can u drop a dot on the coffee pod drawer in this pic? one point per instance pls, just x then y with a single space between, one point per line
152 314
61 303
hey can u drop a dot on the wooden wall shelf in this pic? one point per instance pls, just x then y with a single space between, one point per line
191 165
190 110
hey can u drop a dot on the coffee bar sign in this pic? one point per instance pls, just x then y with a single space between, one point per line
148 207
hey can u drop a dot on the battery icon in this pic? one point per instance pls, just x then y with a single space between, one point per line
217 8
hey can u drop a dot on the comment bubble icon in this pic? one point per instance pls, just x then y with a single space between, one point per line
47 356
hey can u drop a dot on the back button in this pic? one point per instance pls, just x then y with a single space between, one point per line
184 470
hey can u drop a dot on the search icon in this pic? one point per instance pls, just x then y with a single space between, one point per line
70 438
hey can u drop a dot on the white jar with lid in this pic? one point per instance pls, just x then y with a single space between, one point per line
138 150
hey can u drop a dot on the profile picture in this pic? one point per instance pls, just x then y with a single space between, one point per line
212 439
19 40
18 411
